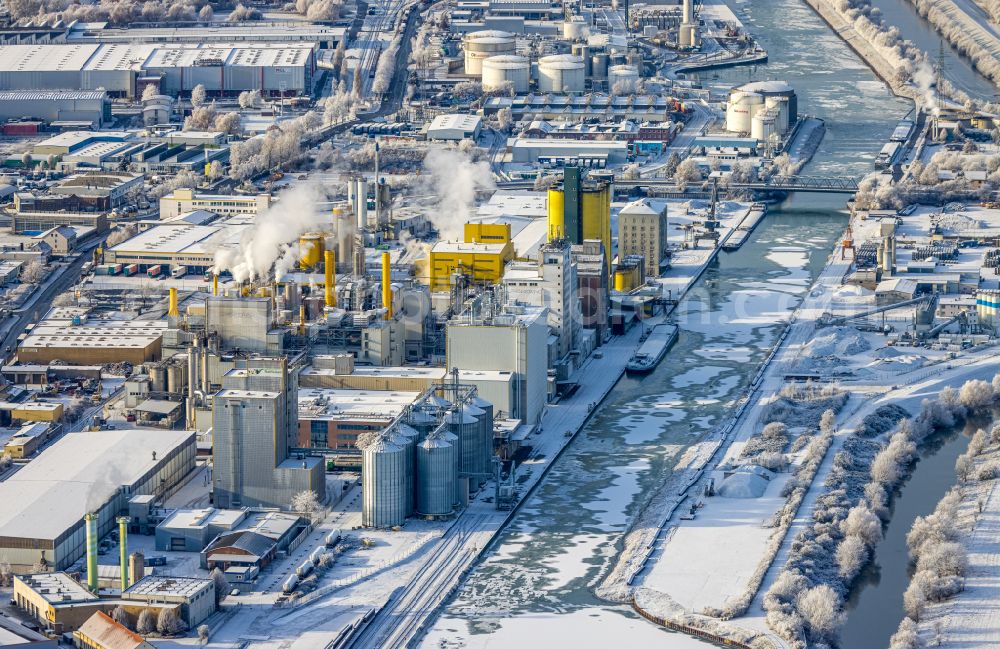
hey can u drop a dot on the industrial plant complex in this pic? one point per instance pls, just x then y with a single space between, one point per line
392 324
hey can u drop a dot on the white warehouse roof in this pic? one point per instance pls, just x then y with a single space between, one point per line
80 472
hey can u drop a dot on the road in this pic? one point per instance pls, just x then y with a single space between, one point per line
702 118
41 300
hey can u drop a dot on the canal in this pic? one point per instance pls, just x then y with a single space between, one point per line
535 588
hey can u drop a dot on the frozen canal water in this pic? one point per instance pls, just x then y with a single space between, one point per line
535 589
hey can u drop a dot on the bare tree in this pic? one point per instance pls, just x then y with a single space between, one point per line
34 273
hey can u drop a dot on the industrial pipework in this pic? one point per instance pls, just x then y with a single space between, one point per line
172 311
123 545
386 286
330 288
90 521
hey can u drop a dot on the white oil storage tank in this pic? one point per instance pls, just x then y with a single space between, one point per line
436 477
599 66
383 484
507 68
481 45
780 104
764 124
740 110
575 29
561 73
625 74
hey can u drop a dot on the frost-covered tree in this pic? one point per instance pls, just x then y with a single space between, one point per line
228 123
146 623
198 95
687 172
169 623
243 13
852 554
906 637
203 633
976 394
33 273
119 615
149 91
221 584
206 14
819 606
250 98
864 524
305 502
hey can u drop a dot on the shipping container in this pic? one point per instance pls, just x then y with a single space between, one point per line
155 271
131 269
178 271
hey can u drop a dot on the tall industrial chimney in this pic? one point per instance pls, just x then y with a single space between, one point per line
386 286
688 18
123 545
215 284
90 521
330 287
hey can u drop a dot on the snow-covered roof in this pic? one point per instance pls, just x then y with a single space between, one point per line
767 86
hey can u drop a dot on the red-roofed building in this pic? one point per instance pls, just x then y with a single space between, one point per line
101 632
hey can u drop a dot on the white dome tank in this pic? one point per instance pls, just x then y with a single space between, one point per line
575 29
741 109
561 73
481 45
622 73
498 70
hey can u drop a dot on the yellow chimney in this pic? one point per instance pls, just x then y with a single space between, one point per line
172 310
330 267
302 319
386 286
215 285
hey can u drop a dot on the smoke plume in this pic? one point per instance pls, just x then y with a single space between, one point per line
924 78
455 179
272 240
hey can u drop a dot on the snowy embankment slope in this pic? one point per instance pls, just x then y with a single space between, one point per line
967 27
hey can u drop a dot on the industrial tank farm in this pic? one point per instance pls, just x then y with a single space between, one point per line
481 45
746 102
561 73
508 68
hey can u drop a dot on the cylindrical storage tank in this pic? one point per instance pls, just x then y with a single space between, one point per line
485 432
406 437
583 51
599 66
764 125
465 426
450 437
439 402
383 484
575 29
422 421
174 379
481 45
310 250
781 105
626 74
740 110
561 73
158 378
499 70
436 477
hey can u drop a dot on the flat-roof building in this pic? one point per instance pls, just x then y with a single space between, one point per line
195 596
42 519
455 127
188 200
332 419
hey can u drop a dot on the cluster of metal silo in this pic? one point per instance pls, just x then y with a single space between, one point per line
428 464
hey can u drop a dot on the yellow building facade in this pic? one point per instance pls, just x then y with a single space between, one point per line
578 211
480 258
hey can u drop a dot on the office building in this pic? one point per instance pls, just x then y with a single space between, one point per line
181 201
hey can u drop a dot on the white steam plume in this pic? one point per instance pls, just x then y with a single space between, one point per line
924 78
272 240
455 179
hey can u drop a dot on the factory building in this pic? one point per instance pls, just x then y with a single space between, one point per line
101 632
455 127
642 230
243 323
90 108
182 201
255 421
579 108
73 335
194 596
579 210
513 340
549 283
563 151
45 501
224 69
479 259
331 419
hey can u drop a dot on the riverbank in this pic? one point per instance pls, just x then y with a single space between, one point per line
965 25
882 68
970 618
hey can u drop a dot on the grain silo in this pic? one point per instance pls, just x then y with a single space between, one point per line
507 68
485 432
561 73
465 425
422 420
481 45
625 74
436 477
406 437
383 484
